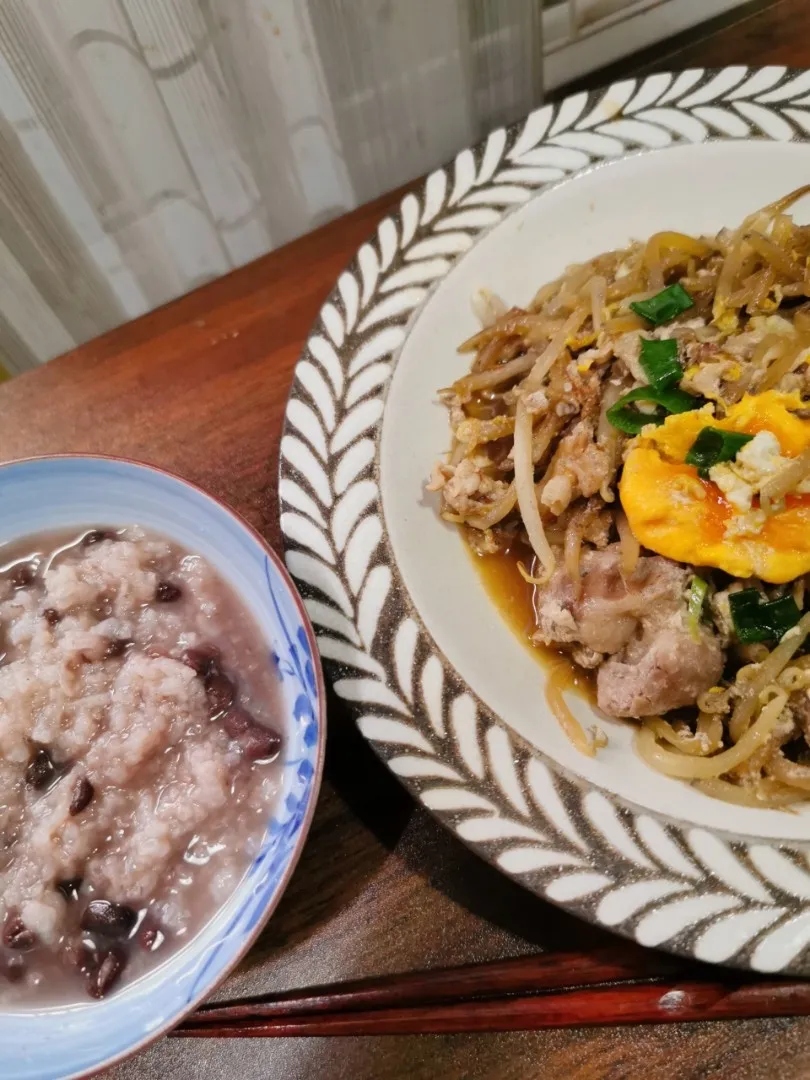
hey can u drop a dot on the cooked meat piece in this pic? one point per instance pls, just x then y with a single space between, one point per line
628 349
663 668
558 492
597 355
721 614
466 488
800 708
794 381
598 521
704 352
682 330
475 431
584 389
605 615
749 773
597 531
586 658
489 541
655 665
706 379
714 373
536 403
579 467
589 462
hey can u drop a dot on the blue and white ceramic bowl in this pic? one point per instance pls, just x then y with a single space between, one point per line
42 494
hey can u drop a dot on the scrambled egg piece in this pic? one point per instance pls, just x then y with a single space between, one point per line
706 379
717 521
741 479
726 320
581 341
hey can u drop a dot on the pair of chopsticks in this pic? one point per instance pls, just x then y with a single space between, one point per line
618 985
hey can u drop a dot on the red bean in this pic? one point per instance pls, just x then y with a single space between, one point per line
204 660
260 743
167 592
52 616
236 722
12 968
83 792
117 647
41 771
220 691
81 955
151 938
103 606
109 919
16 934
255 740
107 974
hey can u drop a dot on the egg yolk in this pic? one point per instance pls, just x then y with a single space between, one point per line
674 512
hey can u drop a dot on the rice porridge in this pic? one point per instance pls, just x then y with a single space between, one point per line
139 748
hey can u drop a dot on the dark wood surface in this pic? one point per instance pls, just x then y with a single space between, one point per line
199 387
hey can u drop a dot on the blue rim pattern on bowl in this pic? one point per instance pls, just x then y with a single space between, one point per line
58 1043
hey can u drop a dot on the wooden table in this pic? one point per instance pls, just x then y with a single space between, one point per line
199 387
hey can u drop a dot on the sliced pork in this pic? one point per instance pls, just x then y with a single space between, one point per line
653 662
580 466
664 667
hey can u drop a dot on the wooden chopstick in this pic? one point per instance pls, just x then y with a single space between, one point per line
498 978
633 1003
621 984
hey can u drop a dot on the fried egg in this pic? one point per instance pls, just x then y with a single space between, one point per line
717 521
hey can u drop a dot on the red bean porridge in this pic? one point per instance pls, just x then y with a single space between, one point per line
139 748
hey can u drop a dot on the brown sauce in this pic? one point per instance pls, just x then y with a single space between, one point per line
513 597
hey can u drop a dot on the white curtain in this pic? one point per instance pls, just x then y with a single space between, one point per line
147 146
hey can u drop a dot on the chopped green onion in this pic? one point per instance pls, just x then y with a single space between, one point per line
695 600
664 306
714 445
659 359
630 420
757 621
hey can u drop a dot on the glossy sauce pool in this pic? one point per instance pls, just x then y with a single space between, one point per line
513 596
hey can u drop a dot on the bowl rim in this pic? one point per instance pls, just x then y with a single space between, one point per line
320 684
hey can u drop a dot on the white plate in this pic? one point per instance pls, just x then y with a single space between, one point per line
442 688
